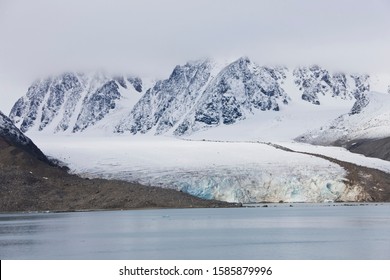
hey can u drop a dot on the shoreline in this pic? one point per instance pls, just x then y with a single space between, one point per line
233 205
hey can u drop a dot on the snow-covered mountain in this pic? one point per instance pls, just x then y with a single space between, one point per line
369 118
196 97
239 89
316 81
199 96
73 102
164 105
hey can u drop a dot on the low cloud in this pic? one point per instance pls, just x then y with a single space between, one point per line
149 38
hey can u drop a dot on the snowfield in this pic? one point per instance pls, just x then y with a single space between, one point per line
239 172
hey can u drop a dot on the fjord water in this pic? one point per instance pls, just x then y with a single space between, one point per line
319 231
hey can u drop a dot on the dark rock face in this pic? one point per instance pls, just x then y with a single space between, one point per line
312 81
361 102
361 84
27 108
136 82
315 81
97 105
340 86
64 91
13 136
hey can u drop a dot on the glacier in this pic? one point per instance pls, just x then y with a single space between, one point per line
230 171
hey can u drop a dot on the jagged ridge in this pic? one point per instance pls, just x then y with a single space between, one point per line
71 101
197 96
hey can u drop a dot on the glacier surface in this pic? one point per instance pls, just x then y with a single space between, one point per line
230 171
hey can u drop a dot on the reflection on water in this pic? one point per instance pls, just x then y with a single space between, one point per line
299 232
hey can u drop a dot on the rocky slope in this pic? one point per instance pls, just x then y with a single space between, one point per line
378 148
12 136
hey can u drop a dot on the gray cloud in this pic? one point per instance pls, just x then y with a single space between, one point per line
149 38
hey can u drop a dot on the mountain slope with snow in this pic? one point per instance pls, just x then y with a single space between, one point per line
243 90
238 90
72 102
163 105
369 118
198 97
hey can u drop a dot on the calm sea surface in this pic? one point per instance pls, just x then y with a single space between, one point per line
273 232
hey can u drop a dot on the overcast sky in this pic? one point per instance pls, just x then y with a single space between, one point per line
148 38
